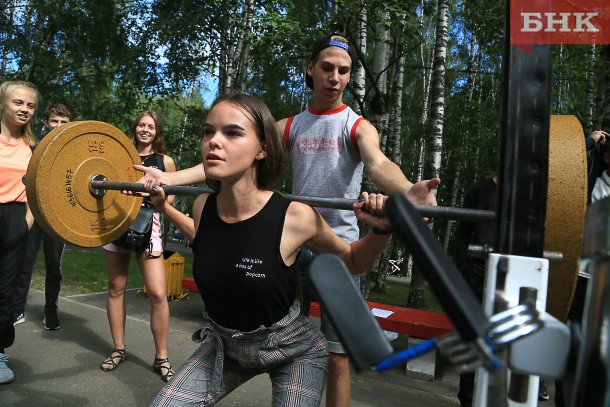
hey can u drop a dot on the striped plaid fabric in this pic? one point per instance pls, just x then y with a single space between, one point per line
292 352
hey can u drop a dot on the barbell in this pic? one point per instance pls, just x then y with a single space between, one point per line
99 186
77 172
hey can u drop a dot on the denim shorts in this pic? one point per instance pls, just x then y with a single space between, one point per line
328 329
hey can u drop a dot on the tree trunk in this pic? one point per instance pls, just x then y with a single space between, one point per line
395 133
561 83
426 62
245 45
379 108
358 74
222 67
379 118
378 112
472 68
433 164
590 95
5 51
453 203
379 269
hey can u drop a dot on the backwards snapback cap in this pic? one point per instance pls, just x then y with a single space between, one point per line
326 42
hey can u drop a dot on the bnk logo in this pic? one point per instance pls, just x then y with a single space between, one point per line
559 22
562 22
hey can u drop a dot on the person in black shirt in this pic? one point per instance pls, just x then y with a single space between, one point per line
246 239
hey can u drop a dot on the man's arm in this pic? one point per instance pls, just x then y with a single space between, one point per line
281 125
598 136
188 176
386 174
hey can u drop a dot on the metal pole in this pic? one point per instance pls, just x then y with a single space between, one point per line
98 188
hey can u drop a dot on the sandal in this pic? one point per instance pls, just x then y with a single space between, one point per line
116 357
164 368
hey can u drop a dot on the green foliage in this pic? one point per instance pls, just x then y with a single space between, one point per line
397 294
485 20
110 60
84 271
569 83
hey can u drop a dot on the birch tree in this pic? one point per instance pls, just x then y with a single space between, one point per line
590 94
358 74
425 60
465 127
433 164
379 90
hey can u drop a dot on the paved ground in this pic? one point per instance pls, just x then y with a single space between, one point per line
61 368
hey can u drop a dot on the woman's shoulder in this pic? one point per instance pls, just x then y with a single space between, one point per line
199 203
168 162
300 212
166 157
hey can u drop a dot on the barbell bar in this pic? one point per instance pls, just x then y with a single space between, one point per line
69 205
99 186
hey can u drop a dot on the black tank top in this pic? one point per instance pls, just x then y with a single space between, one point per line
153 160
238 268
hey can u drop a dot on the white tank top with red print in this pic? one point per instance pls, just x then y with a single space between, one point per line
326 161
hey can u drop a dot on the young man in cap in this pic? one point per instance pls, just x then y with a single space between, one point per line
329 145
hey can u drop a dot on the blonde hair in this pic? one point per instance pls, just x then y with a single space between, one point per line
8 87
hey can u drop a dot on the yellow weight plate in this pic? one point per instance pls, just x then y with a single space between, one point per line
31 177
566 209
58 179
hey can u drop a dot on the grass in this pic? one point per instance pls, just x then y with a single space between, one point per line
398 293
84 271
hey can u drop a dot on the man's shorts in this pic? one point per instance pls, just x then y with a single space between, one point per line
327 328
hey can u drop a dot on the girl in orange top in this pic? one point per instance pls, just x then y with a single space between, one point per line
18 101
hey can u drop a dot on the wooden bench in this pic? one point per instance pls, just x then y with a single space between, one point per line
418 325
188 283
406 321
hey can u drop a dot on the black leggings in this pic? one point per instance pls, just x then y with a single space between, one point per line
53 252
13 233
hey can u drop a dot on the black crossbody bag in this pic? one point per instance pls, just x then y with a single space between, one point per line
137 238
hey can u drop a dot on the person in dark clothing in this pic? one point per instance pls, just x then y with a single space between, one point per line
57 115
246 239
597 164
597 146
482 195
